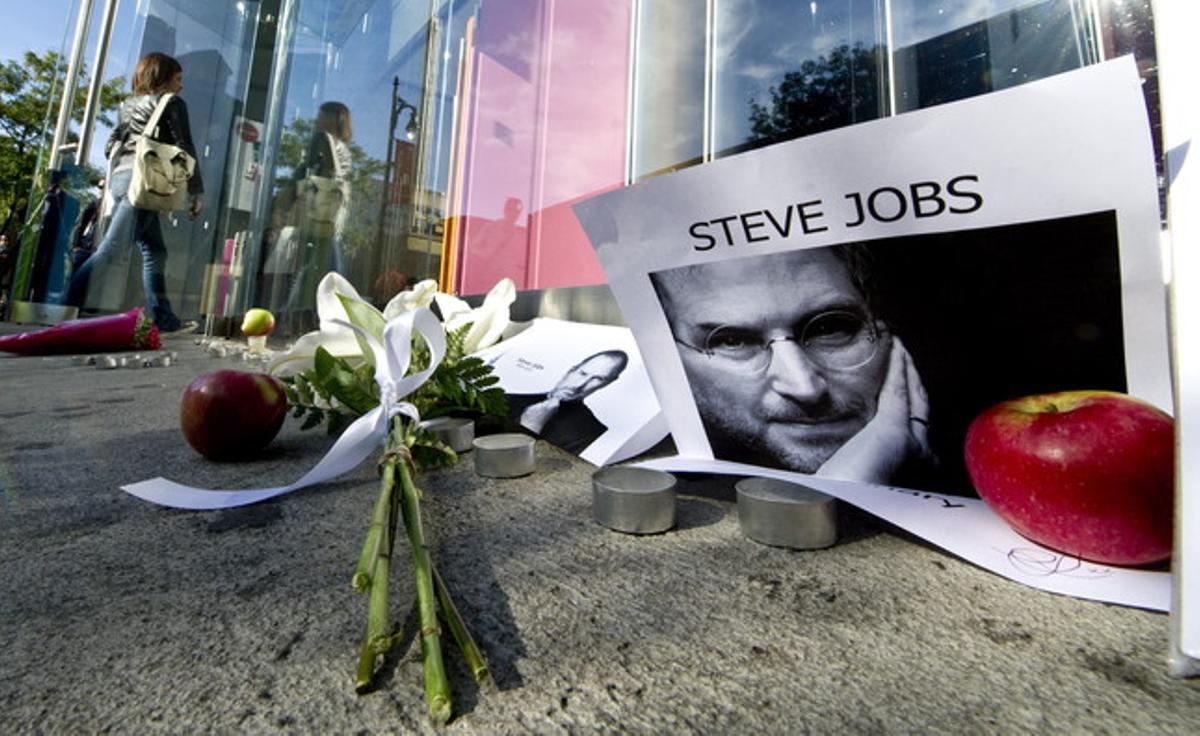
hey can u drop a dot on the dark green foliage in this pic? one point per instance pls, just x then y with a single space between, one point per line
823 93
30 91
312 396
354 388
427 450
467 386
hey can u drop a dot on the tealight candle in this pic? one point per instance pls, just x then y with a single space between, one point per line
508 455
782 514
256 344
633 500
456 432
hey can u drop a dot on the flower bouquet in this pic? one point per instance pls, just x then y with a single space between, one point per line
363 361
132 330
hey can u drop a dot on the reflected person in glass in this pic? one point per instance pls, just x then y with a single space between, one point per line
791 368
321 207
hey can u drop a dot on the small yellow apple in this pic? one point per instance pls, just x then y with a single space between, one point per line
258 322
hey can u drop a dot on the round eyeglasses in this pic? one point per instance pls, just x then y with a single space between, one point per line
836 340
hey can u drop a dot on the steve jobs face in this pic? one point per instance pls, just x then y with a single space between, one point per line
589 376
784 358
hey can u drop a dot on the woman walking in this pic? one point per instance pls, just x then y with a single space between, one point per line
154 76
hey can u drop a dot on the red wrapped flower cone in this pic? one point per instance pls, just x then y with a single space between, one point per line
132 330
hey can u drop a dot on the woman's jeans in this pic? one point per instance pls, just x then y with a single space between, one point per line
147 234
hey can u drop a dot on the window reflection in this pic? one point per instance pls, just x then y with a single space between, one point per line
669 74
342 187
949 51
914 21
314 230
787 69
541 118
464 130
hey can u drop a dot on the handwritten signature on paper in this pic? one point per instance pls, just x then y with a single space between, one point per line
946 502
1044 563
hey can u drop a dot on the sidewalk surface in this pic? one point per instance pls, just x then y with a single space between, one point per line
119 616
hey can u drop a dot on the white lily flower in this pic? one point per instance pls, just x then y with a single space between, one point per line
487 322
334 295
420 295
338 301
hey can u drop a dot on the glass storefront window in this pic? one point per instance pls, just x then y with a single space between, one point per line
213 43
340 183
947 51
789 69
397 140
669 72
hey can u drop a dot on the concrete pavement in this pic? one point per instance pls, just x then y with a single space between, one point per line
119 616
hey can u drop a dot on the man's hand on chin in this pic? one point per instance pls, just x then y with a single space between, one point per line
535 417
899 430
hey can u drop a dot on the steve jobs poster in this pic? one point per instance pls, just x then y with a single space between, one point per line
866 361
842 305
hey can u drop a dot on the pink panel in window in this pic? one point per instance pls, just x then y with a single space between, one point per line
544 135
499 179
583 134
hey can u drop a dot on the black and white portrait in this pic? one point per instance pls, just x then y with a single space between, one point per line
559 414
580 386
866 361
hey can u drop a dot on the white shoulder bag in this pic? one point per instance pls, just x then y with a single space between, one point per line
321 197
160 170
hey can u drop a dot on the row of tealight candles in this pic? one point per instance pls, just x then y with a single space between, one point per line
637 500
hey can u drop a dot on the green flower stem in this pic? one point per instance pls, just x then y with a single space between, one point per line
379 521
377 609
366 668
437 687
471 652
376 557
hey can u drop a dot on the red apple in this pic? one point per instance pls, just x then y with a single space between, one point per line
230 414
1088 473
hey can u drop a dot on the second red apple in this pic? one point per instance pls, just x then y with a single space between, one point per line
1088 473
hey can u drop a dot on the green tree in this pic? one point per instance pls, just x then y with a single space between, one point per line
824 93
30 89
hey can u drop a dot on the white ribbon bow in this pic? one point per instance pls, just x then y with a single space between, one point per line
360 439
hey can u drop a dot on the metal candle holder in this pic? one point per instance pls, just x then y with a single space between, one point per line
508 455
782 514
457 432
633 500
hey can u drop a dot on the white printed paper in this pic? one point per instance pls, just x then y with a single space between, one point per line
1179 63
968 528
580 386
844 304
